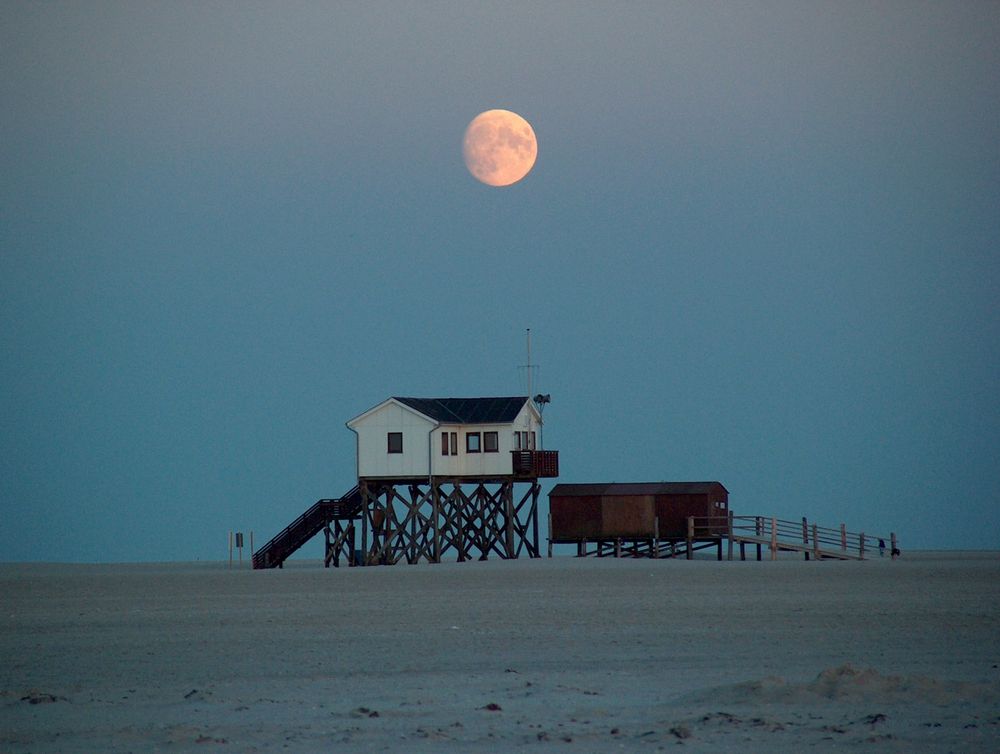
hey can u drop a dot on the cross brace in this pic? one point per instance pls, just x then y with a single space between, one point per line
424 521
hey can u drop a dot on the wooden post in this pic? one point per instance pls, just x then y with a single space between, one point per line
387 533
843 537
550 534
729 529
816 542
759 532
656 537
508 508
861 545
618 547
805 536
436 523
894 552
416 501
743 550
774 539
365 502
230 549
536 490
456 495
690 538
326 548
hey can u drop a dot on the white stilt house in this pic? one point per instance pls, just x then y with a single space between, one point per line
471 438
439 474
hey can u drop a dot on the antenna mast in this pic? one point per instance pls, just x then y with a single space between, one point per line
529 366
529 362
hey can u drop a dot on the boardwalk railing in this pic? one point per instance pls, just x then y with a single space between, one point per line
780 535
709 532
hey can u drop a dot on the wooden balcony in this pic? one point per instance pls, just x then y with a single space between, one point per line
532 464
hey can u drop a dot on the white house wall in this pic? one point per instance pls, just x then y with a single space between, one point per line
374 460
474 464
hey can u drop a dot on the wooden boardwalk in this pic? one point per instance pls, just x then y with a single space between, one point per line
812 540
759 532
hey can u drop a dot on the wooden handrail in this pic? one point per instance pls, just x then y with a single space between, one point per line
781 534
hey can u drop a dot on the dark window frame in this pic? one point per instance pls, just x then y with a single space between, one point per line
479 442
495 437
454 443
444 444
394 448
524 440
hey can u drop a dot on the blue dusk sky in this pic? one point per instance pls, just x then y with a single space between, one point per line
760 245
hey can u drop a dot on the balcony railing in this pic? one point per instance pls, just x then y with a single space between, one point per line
535 463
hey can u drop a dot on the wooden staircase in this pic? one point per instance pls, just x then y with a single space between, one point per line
307 526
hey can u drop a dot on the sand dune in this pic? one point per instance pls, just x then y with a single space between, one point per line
562 654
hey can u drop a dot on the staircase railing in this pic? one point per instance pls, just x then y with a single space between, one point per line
305 527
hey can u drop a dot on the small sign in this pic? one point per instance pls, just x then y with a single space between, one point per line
239 539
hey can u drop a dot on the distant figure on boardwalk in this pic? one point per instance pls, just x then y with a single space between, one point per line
881 548
895 553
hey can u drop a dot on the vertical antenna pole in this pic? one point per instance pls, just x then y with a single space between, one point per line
529 362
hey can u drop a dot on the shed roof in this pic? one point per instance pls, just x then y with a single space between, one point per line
467 410
636 488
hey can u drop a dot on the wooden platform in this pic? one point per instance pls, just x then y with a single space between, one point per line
761 532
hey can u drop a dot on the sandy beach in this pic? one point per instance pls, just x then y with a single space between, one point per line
562 654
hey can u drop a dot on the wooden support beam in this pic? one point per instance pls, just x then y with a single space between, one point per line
419 521
550 534
729 533
436 517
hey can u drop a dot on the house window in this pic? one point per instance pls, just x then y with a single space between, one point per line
395 442
491 442
524 441
444 443
471 442
454 443
449 443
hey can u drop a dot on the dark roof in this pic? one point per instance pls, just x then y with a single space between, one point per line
636 488
468 410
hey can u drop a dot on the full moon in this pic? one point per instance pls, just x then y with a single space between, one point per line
499 147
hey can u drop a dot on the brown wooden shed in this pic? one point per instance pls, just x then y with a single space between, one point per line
633 510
